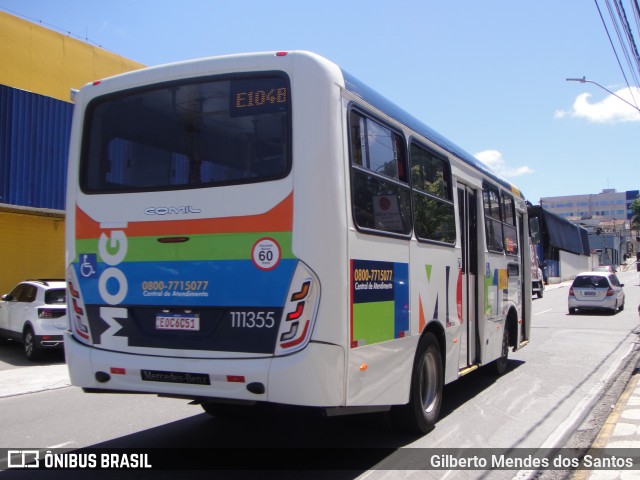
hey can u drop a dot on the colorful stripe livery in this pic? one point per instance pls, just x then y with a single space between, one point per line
238 261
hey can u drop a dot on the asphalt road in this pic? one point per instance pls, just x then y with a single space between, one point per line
557 392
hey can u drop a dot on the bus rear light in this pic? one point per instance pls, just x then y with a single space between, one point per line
76 308
297 313
302 293
80 327
291 333
118 371
298 317
281 54
297 341
235 378
78 322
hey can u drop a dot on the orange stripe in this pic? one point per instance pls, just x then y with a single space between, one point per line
278 219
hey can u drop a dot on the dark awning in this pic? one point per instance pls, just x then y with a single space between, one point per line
566 236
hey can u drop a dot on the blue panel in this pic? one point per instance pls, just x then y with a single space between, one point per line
230 283
401 299
34 145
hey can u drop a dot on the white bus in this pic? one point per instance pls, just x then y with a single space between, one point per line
265 228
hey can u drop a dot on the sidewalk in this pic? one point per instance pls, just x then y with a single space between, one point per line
20 381
621 430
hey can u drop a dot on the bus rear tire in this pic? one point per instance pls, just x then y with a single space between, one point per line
427 380
500 365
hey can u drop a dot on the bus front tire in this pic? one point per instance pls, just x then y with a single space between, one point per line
427 380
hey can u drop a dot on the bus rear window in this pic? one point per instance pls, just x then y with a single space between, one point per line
205 133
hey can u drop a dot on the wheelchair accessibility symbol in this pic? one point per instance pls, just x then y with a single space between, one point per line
88 265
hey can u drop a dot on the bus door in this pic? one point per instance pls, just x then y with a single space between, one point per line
525 280
469 339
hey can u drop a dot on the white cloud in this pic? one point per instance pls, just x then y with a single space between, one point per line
609 110
493 158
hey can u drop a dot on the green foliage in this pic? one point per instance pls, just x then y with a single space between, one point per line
635 208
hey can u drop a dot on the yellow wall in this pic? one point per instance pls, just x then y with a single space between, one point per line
45 62
42 61
32 247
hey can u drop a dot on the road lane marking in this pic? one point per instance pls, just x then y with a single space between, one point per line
544 311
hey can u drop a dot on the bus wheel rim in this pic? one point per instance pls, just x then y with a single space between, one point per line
428 383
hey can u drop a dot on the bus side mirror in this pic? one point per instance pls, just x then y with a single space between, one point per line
534 230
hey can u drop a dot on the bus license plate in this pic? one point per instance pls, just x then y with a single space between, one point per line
178 322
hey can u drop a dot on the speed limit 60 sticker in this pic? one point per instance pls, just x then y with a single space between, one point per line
266 254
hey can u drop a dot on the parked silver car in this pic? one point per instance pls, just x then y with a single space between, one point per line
596 290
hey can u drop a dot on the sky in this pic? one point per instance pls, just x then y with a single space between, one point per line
489 75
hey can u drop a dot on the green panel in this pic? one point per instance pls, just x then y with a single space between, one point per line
226 246
488 283
373 322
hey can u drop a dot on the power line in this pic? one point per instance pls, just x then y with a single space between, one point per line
633 69
627 29
618 27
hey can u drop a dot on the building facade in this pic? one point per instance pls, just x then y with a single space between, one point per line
607 216
38 69
607 206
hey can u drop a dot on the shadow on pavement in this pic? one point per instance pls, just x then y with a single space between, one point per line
281 443
11 353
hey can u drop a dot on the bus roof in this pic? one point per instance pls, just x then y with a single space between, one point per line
360 89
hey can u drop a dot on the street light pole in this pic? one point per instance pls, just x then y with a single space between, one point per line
584 80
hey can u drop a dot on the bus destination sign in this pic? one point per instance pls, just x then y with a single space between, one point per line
258 96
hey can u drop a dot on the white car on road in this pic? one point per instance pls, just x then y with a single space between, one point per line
35 314
596 290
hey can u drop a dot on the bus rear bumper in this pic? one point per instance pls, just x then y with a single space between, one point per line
310 377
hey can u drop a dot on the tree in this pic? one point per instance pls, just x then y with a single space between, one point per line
635 209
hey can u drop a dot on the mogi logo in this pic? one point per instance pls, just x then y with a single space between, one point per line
23 459
113 250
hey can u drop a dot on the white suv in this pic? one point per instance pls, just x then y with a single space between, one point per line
35 314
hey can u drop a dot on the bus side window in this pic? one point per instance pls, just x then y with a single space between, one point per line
500 221
357 139
379 189
493 219
434 217
509 227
